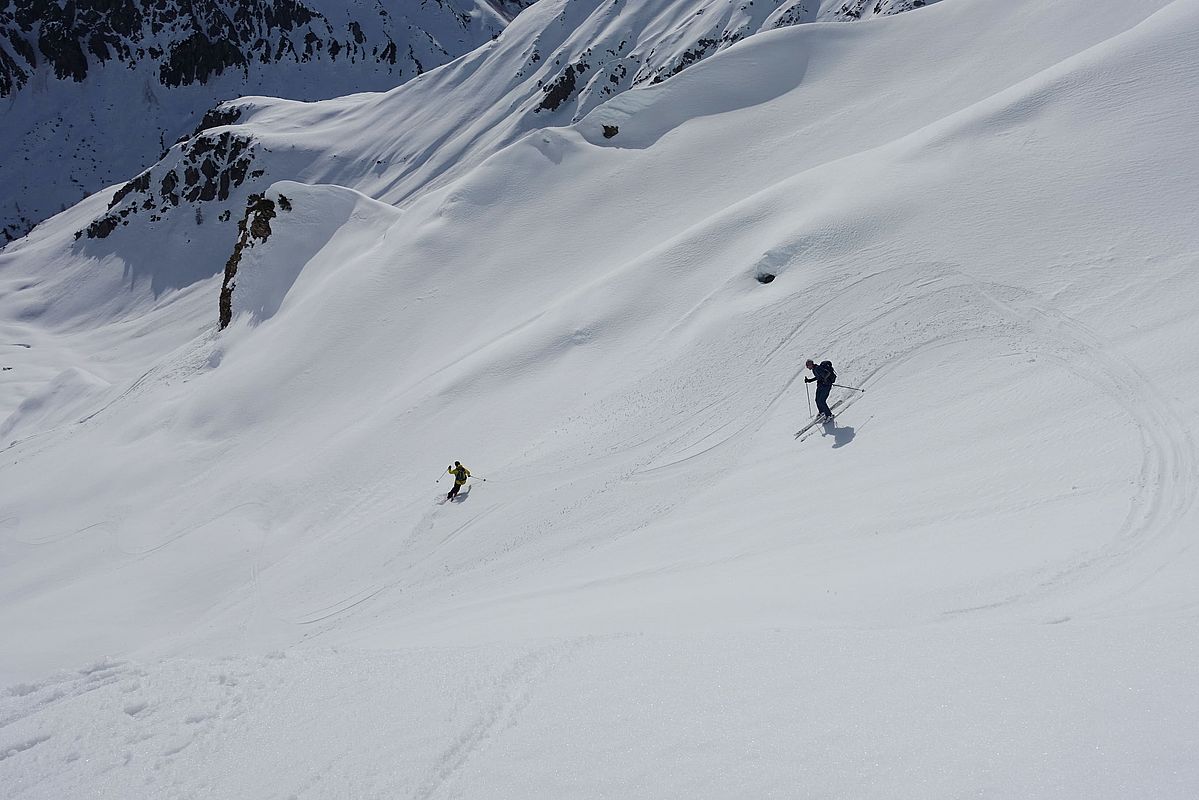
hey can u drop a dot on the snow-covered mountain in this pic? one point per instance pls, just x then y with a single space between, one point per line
223 559
95 91
556 63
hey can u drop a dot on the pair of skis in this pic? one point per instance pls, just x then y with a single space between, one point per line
840 405
819 421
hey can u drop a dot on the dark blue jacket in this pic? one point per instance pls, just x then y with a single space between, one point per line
823 375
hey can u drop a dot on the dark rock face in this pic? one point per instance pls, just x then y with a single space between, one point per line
208 168
702 49
197 57
255 226
510 8
563 87
190 40
609 67
856 9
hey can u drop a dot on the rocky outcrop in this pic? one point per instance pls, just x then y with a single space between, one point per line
510 8
208 168
254 227
604 68
215 118
858 9
561 88
189 40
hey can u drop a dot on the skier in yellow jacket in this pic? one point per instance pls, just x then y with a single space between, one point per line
460 474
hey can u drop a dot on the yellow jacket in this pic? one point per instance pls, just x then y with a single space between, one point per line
460 474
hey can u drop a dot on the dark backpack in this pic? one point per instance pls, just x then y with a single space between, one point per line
829 371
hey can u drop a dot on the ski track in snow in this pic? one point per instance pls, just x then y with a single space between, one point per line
1169 473
1168 477
716 431
409 561
514 690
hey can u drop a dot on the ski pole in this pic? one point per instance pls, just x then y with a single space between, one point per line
853 388
808 391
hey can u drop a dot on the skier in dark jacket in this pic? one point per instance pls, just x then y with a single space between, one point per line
824 377
460 474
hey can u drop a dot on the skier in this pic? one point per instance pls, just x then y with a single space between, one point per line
460 474
824 377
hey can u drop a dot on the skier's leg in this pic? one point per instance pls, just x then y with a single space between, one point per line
822 400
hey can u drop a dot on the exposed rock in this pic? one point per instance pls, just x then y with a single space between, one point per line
218 117
559 90
510 8
255 226
201 37
856 9
196 57
602 70
702 49
101 228
213 167
139 184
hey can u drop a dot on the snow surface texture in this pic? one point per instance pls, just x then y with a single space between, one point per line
978 582
95 91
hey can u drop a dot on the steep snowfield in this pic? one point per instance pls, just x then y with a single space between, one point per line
978 582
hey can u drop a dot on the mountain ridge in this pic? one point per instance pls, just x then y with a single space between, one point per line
144 73
557 63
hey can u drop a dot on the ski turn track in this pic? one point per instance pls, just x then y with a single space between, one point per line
1168 478
948 306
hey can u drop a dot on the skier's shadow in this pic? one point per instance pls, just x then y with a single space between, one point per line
842 435
461 496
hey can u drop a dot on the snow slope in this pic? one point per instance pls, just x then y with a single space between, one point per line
978 582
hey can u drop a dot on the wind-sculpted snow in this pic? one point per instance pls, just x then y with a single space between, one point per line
978 580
